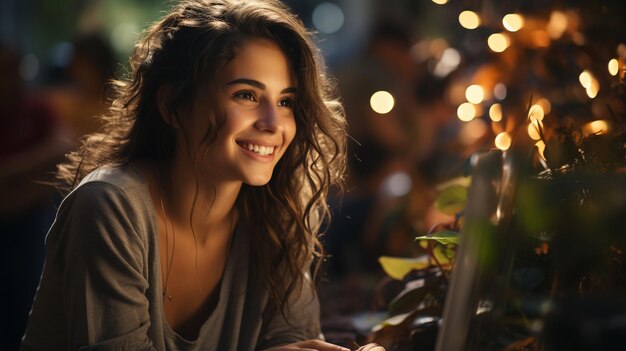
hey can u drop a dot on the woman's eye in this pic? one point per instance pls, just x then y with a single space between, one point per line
246 95
286 103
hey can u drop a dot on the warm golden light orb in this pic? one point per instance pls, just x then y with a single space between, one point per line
536 113
593 89
503 141
585 78
469 19
546 105
466 112
513 22
495 112
475 94
382 102
498 42
541 147
440 2
533 130
613 67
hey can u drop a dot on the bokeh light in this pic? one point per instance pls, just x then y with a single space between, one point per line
557 24
328 18
469 19
593 89
472 131
499 91
440 2
397 184
533 130
513 22
503 141
545 105
613 67
495 112
124 35
541 147
466 112
475 94
596 127
498 42
382 102
536 113
585 79
450 60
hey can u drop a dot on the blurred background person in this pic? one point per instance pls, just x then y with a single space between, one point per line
32 140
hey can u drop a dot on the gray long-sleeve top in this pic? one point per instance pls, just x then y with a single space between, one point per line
101 285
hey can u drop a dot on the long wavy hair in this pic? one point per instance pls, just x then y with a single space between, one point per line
183 51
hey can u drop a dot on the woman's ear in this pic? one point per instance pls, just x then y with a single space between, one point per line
163 98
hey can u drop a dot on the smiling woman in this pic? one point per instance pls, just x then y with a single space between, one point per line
191 221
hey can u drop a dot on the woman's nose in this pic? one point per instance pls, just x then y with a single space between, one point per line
268 119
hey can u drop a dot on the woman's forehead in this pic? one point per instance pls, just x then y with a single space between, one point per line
259 60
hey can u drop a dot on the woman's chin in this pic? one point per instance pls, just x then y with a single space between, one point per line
257 181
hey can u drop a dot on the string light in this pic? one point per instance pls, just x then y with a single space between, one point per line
533 130
541 147
513 22
585 79
382 102
591 85
613 67
466 112
545 105
469 19
498 42
495 112
475 94
503 141
536 113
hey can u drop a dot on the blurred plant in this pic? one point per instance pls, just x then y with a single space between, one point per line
567 236
416 309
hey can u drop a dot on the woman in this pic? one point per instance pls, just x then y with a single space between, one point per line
193 224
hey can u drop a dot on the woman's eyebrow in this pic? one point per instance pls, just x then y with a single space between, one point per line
258 85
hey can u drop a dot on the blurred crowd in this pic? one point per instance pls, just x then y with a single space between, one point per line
40 124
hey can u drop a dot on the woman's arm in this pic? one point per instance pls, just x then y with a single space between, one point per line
300 322
93 286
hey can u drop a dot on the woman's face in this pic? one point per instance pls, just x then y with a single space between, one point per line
256 91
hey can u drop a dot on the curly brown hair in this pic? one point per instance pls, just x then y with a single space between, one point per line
184 50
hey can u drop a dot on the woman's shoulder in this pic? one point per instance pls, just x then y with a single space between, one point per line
107 201
123 176
112 189
123 181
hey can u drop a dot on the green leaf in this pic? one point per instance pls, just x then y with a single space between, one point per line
444 237
452 199
442 257
398 267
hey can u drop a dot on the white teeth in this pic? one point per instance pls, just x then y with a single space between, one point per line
259 149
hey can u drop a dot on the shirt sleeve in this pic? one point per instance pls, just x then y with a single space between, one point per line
99 260
302 320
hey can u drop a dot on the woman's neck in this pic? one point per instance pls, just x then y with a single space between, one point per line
212 202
